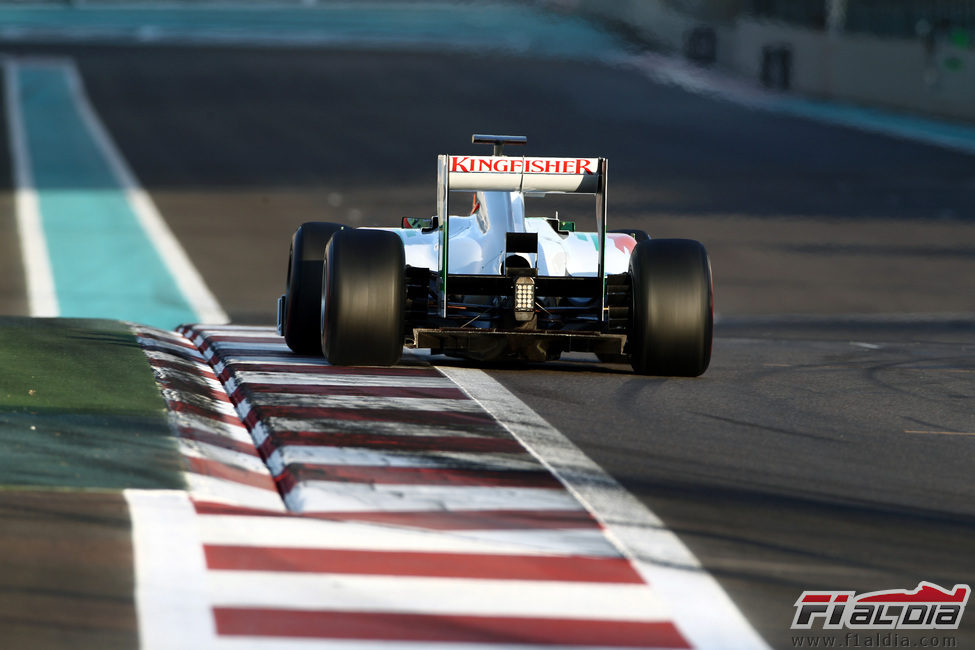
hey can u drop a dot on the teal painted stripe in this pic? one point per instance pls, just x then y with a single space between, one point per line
947 134
103 263
486 26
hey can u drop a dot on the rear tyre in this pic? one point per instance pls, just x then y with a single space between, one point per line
303 301
672 313
363 298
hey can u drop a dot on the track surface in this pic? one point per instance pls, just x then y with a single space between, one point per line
791 465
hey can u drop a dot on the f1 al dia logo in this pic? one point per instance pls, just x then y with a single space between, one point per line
929 607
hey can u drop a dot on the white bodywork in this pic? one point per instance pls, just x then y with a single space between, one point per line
477 242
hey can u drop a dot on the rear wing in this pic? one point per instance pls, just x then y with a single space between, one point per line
523 174
532 174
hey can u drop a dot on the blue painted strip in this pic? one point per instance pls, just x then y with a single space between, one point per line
479 27
103 263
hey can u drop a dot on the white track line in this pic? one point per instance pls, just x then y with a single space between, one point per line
199 400
362 457
342 496
171 591
231 349
42 297
262 360
701 609
244 377
227 457
258 331
422 595
309 533
279 425
190 367
362 403
211 425
178 351
208 488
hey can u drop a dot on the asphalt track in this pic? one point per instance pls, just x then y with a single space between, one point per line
826 450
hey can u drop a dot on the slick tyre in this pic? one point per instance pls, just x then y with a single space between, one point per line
672 312
303 309
363 298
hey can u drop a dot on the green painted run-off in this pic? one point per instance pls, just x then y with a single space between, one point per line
79 408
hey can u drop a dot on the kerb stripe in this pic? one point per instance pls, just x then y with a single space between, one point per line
390 442
565 632
443 565
430 520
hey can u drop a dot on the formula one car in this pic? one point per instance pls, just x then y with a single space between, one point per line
498 283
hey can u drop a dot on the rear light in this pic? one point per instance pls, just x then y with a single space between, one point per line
524 298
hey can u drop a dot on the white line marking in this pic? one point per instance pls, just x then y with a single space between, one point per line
340 496
303 532
232 433
176 350
244 377
193 367
240 330
701 609
251 337
226 457
271 425
213 406
311 456
191 377
170 586
208 488
172 254
174 336
361 403
413 595
258 361
210 425
41 294
229 349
